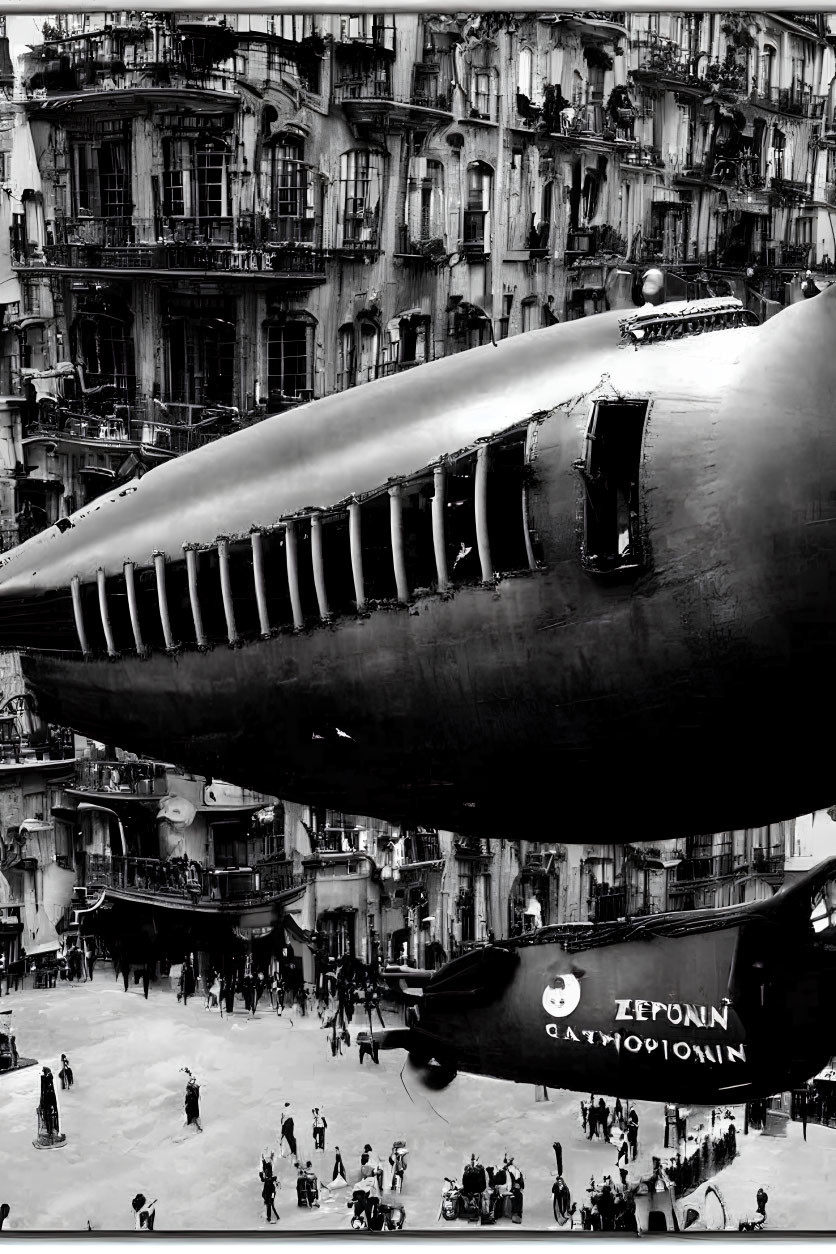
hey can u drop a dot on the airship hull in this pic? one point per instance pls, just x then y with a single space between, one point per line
596 635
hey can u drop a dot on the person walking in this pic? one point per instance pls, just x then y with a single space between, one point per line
269 1184
90 956
762 1199
558 1154
319 1126
623 1150
618 1113
192 1102
592 1121
604 1120
583 1115
287 1135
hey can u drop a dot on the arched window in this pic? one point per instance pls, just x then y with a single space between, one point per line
476 234
425 201
368 350
525 73
290 354
360 184
767 69
292 191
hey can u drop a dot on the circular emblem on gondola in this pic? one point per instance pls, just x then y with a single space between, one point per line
561 996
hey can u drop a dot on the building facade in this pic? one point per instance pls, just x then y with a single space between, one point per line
212 219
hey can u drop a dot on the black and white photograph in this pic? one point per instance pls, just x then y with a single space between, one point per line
417 622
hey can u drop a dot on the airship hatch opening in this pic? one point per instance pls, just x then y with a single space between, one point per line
610 473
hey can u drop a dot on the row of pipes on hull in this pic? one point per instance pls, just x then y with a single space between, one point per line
266 629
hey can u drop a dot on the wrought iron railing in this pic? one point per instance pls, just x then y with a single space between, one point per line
190 882
138 779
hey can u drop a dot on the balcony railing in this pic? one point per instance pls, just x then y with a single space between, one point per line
791 100
132 779
593 120
607 906
693 870
251 229
144 424
425 847
276 258
765 864
190 882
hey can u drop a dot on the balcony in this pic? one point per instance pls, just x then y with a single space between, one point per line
601 23
793 101
122 779
173 881
693 871
790 189
764 865
240 248
58 85
592 122
366 101
666 65
474 242
607 905
166 429
472 849
421 849
642 157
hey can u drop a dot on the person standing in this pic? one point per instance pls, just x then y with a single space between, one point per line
287 1134
339 1168
604 1120
618 1113
269 1183
762 1199
66 1073
192 1102
592 1121
144 1213
90 955
583 1115
623 1150
319 1126
633 1134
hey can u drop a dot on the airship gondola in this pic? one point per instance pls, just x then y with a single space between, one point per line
701 1006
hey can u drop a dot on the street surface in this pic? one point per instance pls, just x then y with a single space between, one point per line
124 1122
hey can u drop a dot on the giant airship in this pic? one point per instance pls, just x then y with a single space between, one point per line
582 582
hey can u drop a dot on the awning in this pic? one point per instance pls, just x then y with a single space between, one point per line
34 825
43 947
296 932
66 813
